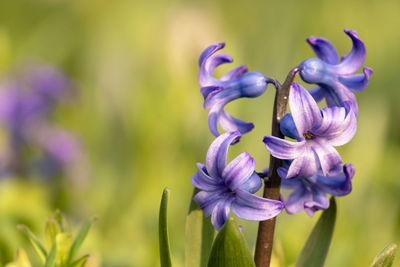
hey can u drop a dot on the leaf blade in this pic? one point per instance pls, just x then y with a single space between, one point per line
385 257
316 248
78 241
199 236
51 258
230 248
39 248
165 253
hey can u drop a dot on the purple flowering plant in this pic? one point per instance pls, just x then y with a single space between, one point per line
34 144
307 163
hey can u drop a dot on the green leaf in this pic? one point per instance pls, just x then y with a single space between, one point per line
198 237
51 230
78 241
316 248
39 248
385 257
165 255
230 248
51 258
81 261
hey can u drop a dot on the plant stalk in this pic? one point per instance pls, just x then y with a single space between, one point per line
265 235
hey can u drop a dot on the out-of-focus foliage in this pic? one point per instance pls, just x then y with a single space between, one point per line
61 248
139 113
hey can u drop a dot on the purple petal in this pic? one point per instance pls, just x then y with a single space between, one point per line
336 129
208 200
357 82
317 93
204 182
230 124
253 184
209 51
304 109
283 149
220 214
288 127
235 73
354 60
319 202
338 185
238 170
216 154
207 68
328 157
295 202
254 208
324 50
208 92
304 165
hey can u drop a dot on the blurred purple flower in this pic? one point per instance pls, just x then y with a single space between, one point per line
232 185
317 132
27 100
235 84
336 80
310 192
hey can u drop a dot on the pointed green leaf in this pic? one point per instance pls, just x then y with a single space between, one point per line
81 261
165 255
51 230
39 248
51 258
230 248
385 257
316 248
199 236
78 241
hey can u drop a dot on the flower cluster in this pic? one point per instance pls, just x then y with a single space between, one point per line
313 167
225 186
27 101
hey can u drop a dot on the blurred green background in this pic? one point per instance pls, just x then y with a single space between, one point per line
140 116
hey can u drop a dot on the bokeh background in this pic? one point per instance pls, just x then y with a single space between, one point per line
138 113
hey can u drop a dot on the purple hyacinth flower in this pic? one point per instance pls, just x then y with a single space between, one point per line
317 132
233 85
336 80
224 186
310 193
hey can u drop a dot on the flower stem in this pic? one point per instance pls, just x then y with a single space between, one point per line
265 236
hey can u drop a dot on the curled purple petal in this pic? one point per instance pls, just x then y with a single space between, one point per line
337 129
220 214
238 170
283 149
357 82
319 202
207 200
217 153
234 74
324 49
305 165
253 183
328 157
295 202
202 181
304 109
317 93
354 60
337 185
230 124
254 208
